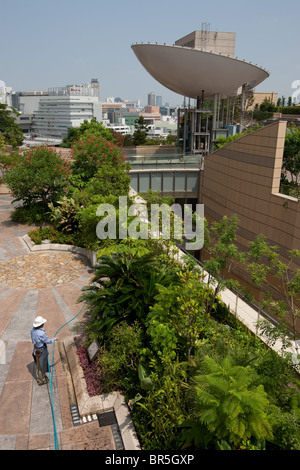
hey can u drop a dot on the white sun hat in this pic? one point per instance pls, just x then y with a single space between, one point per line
38 321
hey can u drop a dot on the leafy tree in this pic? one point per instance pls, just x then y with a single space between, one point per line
109 180
178 316
12 133
91 153
280 300
140 133
291 155
264 111
38 175
220 244
87 128
287 429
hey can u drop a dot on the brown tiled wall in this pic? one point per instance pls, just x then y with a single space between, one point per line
243 178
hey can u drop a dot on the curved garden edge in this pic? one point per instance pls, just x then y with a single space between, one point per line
89 254
100 403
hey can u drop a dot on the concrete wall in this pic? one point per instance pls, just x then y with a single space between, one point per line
218 42
259 97
243 178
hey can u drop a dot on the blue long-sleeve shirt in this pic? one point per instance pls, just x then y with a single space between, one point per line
40 338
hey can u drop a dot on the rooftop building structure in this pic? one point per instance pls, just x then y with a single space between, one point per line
5 94
66 107
203 73
209 41
259 97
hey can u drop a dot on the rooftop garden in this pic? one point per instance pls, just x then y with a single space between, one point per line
194 377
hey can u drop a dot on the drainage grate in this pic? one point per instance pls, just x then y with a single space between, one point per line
75 415
117 437
106 418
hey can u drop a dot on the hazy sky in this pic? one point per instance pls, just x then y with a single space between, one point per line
53 43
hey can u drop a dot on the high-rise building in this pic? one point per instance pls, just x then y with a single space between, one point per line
158 101
151 99
96 86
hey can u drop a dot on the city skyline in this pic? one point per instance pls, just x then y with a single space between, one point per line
52 45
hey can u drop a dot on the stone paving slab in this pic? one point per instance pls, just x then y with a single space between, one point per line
49 284
39 270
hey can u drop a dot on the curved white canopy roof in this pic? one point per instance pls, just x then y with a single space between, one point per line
188 71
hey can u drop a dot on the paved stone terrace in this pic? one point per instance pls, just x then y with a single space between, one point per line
32 284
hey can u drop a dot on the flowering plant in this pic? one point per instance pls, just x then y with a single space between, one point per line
91 373
55 236
38 174
92 152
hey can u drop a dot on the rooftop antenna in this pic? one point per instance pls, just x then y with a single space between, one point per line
205 29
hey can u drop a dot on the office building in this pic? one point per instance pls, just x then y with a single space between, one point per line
66 107
151 99
5 94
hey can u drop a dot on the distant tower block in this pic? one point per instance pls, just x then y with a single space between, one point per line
210 41
151 99
95 84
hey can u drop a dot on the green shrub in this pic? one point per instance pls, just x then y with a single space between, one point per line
35 213
289 110
119 360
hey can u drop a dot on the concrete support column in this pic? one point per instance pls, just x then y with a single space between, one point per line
214 123
242 108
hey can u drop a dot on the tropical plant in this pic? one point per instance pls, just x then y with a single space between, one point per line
63 214
226 399
123 288
160 409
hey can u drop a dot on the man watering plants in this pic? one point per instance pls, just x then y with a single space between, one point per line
40 353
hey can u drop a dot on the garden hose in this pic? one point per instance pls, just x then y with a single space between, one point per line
51 379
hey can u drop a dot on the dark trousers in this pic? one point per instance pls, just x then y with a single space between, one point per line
41 365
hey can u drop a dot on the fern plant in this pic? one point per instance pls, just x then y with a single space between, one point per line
225 398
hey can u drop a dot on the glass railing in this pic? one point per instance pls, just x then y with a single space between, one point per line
139 162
